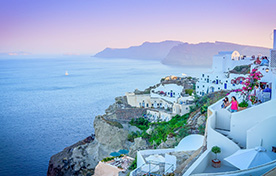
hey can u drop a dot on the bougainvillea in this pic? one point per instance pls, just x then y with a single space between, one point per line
251 80
236 90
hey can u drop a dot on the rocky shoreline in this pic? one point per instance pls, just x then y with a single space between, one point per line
111 132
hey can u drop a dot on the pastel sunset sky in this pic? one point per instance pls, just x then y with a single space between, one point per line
89 26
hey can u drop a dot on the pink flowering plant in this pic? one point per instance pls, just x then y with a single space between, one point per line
251 80
235 90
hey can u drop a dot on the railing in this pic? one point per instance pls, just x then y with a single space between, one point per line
153 168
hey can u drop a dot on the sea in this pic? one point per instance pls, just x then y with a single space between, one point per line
43 110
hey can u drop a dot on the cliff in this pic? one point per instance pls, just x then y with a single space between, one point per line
111 134
147 50
201 54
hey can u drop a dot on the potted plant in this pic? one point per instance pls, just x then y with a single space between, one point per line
243 105
216 162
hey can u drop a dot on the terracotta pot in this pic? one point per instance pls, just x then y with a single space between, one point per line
242 108
216 164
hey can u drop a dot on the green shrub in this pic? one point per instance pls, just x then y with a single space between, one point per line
133 164
243 104
216 150
203 109
141 123
189 91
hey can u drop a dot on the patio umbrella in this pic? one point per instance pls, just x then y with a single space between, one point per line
247 158
157 158
123 151
115 154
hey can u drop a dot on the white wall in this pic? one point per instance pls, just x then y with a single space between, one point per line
246 119
140 159
200 164
135 100
170 160
264 131
215 138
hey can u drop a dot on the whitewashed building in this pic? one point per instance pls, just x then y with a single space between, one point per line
182 106
163 102
219 77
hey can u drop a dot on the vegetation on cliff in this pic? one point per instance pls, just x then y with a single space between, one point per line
158 132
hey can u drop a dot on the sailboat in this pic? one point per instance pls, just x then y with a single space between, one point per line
66 73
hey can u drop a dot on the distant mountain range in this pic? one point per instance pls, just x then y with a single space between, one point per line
147 50
179 53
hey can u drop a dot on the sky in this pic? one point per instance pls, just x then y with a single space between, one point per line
89 26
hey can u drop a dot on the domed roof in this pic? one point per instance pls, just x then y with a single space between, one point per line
191 142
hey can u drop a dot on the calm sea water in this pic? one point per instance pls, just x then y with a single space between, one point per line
43 111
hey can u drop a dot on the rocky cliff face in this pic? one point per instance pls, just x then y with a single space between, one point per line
110 136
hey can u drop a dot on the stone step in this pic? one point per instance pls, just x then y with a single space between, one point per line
226 134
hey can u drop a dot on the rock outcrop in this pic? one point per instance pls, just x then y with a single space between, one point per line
111 134
139 144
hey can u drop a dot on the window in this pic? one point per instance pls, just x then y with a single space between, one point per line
198 87
203 86
202 75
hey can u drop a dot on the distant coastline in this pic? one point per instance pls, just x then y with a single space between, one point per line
178 53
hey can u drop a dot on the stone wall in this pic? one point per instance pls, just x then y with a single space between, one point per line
128 114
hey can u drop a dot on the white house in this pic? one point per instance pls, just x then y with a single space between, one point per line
219 77
160 102
155 115
147 101
182 106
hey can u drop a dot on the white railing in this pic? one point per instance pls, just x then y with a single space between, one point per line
141 161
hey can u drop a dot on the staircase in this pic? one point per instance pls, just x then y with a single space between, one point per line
226 134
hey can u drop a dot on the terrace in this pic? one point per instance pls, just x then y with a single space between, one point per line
233 132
